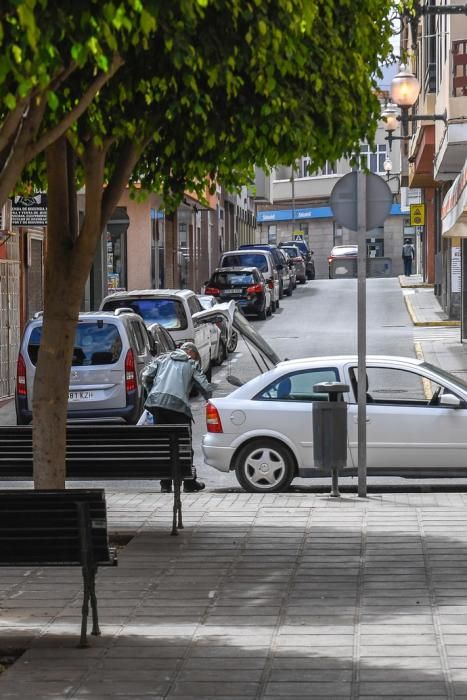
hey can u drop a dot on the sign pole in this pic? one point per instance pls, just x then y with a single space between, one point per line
361 331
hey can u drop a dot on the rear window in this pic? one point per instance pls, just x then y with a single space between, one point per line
292 251
247 259
167 312
96 343
233 279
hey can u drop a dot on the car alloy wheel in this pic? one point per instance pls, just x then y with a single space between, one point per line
264 466
232 344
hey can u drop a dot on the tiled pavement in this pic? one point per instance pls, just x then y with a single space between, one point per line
289 596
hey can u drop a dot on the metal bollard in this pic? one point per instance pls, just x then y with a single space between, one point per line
330 431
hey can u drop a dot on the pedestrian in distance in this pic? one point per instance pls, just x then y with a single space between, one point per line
408 254
168 379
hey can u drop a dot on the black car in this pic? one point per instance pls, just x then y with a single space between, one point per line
297 260
246 285
307 255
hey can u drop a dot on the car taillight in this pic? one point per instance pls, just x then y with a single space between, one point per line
213 419
297 260
255 288
21 387
130 372
213 291
330 260
271 284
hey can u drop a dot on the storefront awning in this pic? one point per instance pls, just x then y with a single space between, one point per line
454 209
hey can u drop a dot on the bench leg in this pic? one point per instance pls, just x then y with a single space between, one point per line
83 642
95 619
175 509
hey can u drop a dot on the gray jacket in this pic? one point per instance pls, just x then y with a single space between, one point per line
169 379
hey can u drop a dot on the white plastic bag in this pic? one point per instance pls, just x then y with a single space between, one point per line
146 418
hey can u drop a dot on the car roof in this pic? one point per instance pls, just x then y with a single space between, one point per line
342 359
150 293
238 268
259 251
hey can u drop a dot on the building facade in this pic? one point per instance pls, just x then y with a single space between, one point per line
300 206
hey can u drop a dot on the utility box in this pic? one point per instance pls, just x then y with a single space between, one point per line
330 427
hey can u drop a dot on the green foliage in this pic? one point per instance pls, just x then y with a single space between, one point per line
208 88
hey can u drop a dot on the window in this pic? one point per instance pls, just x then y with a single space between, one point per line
194 305
329 168
96 343
140 337
167 312
298 386
272 233
373 160
234 279
387 385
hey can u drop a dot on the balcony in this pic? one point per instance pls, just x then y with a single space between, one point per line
451 138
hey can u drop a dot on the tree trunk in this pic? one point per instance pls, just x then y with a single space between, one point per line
68 262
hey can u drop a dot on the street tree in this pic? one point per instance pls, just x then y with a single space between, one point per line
221 86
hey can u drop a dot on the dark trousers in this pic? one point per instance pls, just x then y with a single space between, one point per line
407 265
164 415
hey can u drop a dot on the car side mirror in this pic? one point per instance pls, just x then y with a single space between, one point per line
450 401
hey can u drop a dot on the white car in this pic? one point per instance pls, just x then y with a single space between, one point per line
416 413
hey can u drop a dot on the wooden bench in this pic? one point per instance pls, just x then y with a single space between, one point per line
109 452
58 528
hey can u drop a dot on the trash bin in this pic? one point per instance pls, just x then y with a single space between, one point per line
330 430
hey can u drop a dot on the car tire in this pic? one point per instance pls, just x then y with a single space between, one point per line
281 290
263 314
303 280
232 344
277 304
289 291
264 466
20 420
208 372
269 311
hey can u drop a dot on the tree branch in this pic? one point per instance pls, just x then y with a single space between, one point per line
55 132
129 156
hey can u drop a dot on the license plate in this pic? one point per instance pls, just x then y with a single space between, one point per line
80 395
233 291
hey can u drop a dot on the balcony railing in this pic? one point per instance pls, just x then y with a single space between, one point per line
459 68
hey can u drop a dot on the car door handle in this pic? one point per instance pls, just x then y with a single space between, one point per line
367 420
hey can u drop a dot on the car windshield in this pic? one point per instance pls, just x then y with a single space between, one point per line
167 312
96 343
258 260
233 279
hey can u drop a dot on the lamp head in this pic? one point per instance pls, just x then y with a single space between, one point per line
389 116
405 88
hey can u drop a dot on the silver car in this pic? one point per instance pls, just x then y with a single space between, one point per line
109 355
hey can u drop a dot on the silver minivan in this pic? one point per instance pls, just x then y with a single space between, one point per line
109 355
263 260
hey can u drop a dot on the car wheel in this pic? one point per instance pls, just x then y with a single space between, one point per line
263 314
264 466
208 372
232 344
303 280
269 312
281 290
289 290
277 304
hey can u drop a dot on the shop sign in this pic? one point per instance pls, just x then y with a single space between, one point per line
29 211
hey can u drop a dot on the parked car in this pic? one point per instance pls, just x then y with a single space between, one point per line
307 254
292 268
110 352
179 311
263 260
407 400
245 285
298 260
279 262
342 253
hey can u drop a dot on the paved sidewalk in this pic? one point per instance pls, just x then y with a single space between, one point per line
424 308
289 596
